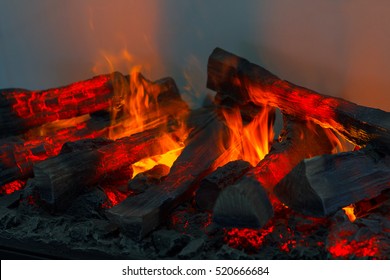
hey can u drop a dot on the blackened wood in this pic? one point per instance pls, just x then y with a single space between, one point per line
139 215
60 179
246 82
298 140
324 184
214 183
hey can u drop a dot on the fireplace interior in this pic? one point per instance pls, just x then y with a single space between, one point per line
124 165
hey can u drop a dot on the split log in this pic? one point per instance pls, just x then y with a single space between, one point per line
139 215
214 183
298 140
246 82
60 179
22 109
324 184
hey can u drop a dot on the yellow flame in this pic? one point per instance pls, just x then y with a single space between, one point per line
148 163
350 212
135 109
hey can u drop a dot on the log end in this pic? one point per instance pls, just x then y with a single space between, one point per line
245 204
138 215
295 191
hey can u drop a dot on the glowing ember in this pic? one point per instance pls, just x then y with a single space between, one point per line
344 248
12 187
114 197
40 107
249 239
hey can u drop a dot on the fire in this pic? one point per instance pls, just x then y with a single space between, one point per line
136 108
249 142
350 212
148 163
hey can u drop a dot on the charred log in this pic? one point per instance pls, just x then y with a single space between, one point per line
324 184
246 82
17 155
22 109
59 179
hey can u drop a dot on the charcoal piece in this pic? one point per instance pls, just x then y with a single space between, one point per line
87 205
246 82
214 183
168 243
324 184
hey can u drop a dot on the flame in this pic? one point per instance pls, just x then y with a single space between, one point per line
350 212
135 108
148 163
249 142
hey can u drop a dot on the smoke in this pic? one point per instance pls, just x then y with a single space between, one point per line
338 48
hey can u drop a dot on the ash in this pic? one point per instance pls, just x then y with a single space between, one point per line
83 232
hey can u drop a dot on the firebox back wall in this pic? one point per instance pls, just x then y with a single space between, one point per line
335 47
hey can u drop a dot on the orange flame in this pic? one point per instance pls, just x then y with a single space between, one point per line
135 108
249 142
350 212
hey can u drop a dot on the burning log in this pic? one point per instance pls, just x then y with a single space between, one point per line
17 155
324 184
22 109
59 179
246 82
139 215
298 140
